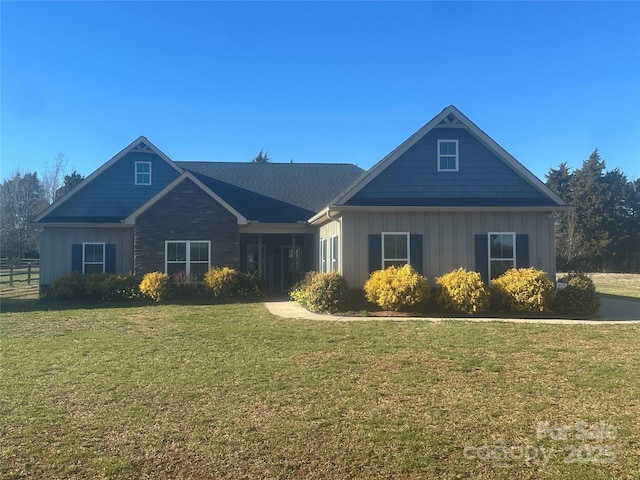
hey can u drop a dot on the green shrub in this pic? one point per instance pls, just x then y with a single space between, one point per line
156 285
249 285
396 288
67 287
462 291
522 290
322 292
222 281
95 286
579 297
109 286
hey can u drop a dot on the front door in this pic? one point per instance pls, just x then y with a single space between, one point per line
290 266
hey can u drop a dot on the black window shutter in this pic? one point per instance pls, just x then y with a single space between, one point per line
482 256
110 258
375 252
76 257
522 250
415 254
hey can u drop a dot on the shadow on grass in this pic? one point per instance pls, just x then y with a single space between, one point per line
619 297
13 305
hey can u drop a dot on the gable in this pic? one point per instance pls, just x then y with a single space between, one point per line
484 175
110 194
196 187
481 178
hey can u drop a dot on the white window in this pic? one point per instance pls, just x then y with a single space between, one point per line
92 258
502 253
190 257
323 255
334 253
395 249
447 155
143 173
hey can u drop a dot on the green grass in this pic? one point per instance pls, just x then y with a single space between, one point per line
617 284
229 391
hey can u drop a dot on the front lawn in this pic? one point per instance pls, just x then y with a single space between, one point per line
229 391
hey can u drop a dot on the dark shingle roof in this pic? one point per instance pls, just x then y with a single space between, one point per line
275 192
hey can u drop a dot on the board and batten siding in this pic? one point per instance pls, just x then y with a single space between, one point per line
56 244
448 239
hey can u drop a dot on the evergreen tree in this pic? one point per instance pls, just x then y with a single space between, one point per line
559 181
262 157
603 233
70 181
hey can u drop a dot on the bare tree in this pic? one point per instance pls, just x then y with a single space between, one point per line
52 177
21 198
570 244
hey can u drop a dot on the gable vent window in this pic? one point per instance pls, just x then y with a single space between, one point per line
143 173
447 155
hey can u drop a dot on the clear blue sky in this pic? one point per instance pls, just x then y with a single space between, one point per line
316 82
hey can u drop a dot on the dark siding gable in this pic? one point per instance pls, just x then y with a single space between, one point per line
483 177
112 194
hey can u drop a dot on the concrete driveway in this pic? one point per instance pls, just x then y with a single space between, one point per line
619 309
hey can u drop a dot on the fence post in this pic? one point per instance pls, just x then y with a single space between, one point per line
29 273
11 275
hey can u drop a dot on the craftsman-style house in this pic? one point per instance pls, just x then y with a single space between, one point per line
447 197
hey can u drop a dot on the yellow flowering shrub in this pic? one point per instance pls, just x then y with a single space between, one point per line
523 290
221 281
396 287
462 291
156 285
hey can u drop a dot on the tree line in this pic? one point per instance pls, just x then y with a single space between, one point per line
602 232
22 197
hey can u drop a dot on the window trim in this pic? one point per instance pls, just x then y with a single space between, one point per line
138 173
441 156
334 256
84 254
187 260
408 258
323 265
503 259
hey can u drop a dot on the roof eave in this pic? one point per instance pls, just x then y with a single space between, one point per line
326 213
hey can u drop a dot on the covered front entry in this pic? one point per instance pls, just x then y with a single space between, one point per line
280 259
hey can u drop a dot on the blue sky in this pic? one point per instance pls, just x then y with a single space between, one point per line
316 82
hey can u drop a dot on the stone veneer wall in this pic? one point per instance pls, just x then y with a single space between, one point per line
185 213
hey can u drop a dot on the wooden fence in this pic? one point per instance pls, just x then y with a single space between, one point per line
19 272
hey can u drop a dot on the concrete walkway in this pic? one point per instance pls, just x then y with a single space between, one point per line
612 311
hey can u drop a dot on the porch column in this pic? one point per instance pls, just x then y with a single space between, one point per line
260 272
